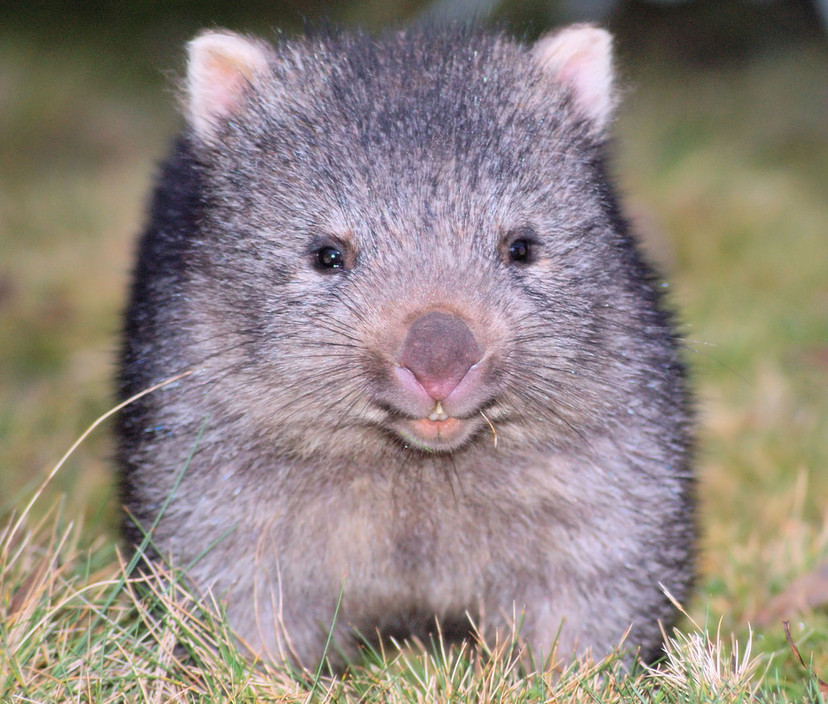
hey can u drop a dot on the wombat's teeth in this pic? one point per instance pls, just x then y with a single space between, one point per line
438 413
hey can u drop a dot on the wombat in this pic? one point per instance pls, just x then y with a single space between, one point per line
432 379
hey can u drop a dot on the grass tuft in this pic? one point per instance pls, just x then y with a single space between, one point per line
77 625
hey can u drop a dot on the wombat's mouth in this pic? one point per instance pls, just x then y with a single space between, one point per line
436 435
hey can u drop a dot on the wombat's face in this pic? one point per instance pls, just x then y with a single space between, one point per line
411 241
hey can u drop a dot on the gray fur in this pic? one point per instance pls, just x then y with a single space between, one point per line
420 152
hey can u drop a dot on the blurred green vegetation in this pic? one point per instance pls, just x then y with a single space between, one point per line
722 152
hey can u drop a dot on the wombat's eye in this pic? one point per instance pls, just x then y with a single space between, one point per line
329 258
519 246
520 251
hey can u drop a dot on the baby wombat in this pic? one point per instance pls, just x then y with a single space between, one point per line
432 379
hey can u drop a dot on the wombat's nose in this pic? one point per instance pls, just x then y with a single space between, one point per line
439 349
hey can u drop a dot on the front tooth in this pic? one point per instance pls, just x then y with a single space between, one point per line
437 413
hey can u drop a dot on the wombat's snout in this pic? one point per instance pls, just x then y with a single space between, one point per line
439 349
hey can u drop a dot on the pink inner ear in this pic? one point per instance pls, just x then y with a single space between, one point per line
588 81
222 66
581 58
227 84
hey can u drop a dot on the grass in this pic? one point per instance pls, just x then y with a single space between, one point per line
75 628
725 169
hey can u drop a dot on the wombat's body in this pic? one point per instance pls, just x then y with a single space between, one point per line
373 255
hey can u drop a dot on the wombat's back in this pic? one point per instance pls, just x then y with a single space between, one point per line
429 368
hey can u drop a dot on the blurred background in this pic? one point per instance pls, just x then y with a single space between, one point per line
721 151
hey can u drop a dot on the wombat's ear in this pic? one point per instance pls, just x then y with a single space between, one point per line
221 66
580 57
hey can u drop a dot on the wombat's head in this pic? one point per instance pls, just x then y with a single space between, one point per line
409 239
